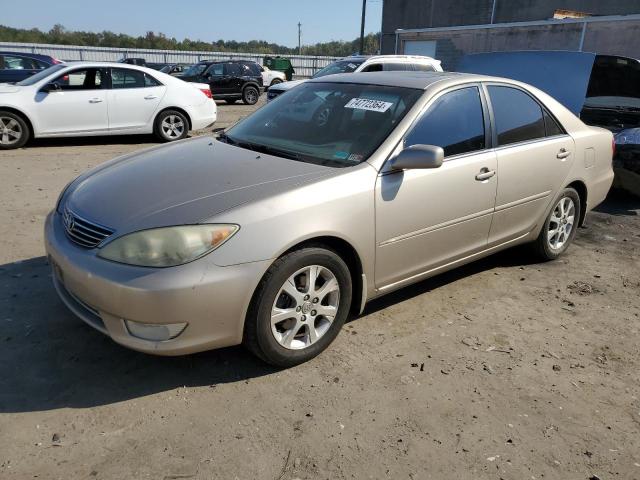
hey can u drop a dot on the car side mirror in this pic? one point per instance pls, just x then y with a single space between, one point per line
51 87
418 157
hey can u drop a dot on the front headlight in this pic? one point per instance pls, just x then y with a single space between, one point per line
167 247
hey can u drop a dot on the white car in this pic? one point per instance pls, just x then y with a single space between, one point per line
89 99
360 63
272 77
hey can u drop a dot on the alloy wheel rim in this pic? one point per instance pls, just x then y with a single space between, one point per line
251 96
561 223
305 307
172 127
10 131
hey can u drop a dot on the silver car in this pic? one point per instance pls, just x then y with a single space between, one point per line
346 189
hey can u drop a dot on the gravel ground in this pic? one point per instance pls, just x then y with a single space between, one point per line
504 369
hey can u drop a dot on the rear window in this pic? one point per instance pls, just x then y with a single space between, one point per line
518 116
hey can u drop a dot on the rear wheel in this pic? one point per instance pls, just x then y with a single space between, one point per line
299 307
14 132
250 95
171 125
276 81
560 226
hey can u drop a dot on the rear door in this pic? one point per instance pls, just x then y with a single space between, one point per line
79 106
215 75
534 158
133 99
428 218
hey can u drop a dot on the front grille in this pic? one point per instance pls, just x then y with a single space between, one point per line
83 232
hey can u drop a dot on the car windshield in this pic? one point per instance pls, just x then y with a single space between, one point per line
341 66
166 68
194 70
332 124
32 80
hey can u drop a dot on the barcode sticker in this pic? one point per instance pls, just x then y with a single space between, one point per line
367 104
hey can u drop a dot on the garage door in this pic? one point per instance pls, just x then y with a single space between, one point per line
417 47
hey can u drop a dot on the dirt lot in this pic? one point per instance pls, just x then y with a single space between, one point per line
504 369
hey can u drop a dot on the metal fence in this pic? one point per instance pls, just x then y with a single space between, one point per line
304 65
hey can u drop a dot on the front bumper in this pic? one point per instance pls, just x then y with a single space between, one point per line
213 300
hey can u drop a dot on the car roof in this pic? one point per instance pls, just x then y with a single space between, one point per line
419 80
365 58
26 54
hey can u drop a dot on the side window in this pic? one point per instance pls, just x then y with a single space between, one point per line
149 81
84 79
518 116
12 62
454 122
423 67
125 78
254 69
216 69
232 69
397 67
374 67
551 125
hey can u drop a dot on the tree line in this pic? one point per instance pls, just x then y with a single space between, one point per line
151 40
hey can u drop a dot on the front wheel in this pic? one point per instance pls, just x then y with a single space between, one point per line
171 125
14 132
299 307
250 95
560 226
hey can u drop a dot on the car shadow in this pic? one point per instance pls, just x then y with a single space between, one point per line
620 202
513 257
49 359
92 141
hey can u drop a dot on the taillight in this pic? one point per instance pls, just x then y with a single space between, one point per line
207 92
56 61
613 147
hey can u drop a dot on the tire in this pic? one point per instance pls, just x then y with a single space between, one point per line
171 125
14 131
559 227
288 340
250 95
231 101
275 81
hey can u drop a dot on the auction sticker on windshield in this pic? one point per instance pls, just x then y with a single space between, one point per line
367 104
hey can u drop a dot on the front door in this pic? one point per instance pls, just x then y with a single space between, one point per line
78 106
133 99
429 218
534 158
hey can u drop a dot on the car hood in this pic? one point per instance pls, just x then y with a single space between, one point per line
284 86
183 183
9 88
540 69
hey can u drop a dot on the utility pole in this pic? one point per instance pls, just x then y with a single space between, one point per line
299 38
364 14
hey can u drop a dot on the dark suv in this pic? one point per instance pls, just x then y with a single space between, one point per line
230 80
16 66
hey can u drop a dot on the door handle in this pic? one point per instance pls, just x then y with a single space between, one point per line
563 153
150 97
485 174
95 100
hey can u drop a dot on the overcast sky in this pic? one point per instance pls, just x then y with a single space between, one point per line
271 20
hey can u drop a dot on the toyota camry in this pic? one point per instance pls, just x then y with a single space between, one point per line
349 187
